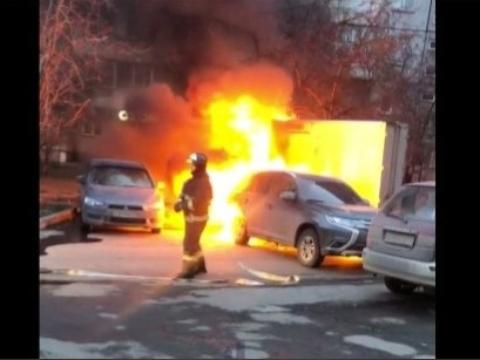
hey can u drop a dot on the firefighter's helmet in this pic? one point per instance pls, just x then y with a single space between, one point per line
197 159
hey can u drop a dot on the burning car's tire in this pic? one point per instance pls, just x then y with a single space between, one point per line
85 228
397 286
241 235
156 230
308 248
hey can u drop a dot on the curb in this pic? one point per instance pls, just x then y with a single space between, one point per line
57 217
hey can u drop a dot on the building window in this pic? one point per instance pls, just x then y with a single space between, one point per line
431 45
350 35
143 75
124 74
428 97
90 128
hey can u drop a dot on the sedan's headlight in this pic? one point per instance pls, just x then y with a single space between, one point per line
92 202
155 206
336 220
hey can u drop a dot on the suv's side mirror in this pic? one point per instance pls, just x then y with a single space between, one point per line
82 179
288 195
390 214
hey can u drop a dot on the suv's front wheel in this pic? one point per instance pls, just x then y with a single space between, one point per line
308 248
241 235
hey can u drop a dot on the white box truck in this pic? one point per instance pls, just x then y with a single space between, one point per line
367 154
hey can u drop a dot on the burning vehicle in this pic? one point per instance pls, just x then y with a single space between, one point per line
242 119
120 193
318 215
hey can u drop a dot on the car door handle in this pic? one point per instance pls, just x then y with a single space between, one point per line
400 230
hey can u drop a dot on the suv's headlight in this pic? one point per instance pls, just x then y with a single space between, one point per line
92 202
336 220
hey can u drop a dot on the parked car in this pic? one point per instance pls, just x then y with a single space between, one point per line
318 215
401 239
119 193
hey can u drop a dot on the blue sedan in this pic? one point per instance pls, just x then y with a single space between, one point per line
119 193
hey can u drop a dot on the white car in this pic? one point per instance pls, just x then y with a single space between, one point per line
401 239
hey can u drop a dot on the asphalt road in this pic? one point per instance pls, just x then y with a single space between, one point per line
124 305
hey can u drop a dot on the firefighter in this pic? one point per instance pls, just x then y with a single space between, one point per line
194 201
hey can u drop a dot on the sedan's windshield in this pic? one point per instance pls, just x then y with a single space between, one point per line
331 193
120 176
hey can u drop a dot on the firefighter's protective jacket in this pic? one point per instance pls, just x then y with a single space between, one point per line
196 196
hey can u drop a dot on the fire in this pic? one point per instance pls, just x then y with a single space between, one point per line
242 127
349 150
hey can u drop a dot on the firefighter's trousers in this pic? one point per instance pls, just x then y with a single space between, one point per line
193 259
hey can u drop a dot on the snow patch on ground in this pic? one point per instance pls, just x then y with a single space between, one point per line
270 309
388 320
108 316
59 349
250 336
255 354
252 344
150 302
202 328
375 343
44 234
248 326
281 318
243 299
424 357
83 290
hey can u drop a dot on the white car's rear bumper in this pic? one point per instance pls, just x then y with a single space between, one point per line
417 272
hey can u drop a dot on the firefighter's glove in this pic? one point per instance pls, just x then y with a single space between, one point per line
179 205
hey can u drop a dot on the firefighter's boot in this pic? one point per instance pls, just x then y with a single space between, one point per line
189 270
201 268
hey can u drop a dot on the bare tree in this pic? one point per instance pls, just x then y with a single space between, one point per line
71 34
332 50
355 62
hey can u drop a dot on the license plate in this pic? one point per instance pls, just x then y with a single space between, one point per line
126 214
395 238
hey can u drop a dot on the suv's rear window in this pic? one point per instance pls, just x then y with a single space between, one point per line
414 202
341 191
330 192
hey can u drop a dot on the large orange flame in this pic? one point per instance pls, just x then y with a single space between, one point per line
242 127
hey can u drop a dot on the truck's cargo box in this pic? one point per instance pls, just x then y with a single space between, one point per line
367 154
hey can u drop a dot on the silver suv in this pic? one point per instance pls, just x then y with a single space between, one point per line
318 215
401 239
